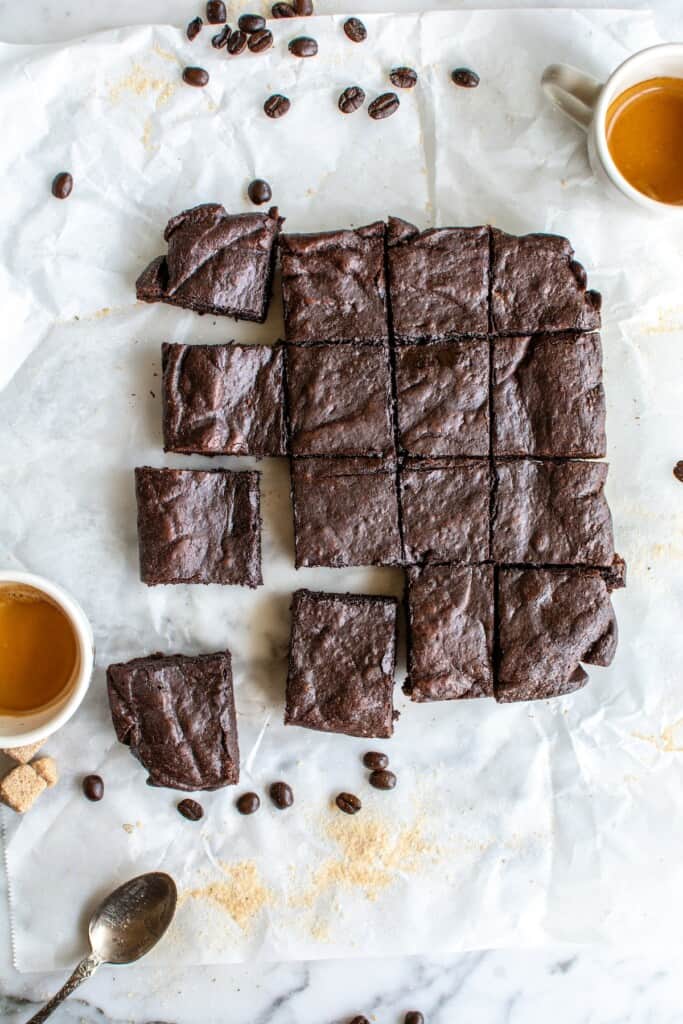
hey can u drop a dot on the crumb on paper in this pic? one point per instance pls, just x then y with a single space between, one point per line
139 82
668 322
127 827
146 137
165 54
22 755
21 788
669 741
241 894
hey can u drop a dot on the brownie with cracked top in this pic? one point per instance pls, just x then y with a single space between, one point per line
445 505
198 526
223 399
342 655
177 715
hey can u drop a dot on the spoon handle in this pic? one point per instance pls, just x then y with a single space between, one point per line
85 969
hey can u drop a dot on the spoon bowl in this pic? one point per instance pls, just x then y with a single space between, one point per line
131 920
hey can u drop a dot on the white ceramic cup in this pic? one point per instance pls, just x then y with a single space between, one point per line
586 101
19 730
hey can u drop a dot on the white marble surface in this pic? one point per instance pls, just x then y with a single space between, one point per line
569 986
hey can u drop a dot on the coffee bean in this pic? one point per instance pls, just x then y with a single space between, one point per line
375 761
194 28
282 10
191 810
221 38
62 185
276 105
237 42
304 8
251 23
260 41
259 191
355 30
382 779
195 76
465 77
678 471
351 99
384 106
414 1017
248 803
348 803
360 1020
403 78
215 12
282 796
303 46
93 787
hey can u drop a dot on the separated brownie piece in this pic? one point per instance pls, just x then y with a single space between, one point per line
333 285
223 399
549 621
445 510
345 512
177 715
216 263
339 400
198 526
442 397
342 655
438 281
450 632
537 285
548 397
552 513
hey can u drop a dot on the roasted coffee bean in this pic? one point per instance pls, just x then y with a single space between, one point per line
276 105
348 803
93 787
678 471
259 191
194 28
260 41
191 810
384 106
303 46
62 185
248 803
465 77
215 12
360 1020
414 1017
375 761
304 8
237 42
251 23
355 30
221 38
403 78
283 11
282 796
351 99
382 779
195 76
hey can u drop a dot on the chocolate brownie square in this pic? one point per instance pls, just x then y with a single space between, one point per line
445 505
333 285
177 715
223 399
198 526
549 620
342 655
552 513
442 398
537 285
548 397
438 281
216 263
450 632
345 512
340 400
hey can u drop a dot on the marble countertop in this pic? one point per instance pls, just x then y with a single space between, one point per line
567 985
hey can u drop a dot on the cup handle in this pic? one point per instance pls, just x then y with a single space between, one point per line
572 91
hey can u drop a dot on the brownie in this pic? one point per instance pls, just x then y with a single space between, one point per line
537 285
217 263
333 285
442 397
552 513
198 526
548 397
549 620
445 510
177 715
223 399
342 655
438 281
450 632
345 512
339 400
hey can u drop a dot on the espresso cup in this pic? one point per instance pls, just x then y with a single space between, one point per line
586 101
20 729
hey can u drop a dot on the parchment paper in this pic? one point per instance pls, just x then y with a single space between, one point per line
511 825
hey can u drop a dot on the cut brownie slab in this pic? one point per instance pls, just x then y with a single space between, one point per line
450 632
552 513
445 507
177 715
223 399
438 281
345 512
442 397
217 263
198 526
333 285
339 400
537 285
342 655
548 397
550 620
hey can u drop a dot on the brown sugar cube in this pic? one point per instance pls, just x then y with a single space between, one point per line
46 767
21 788
22 755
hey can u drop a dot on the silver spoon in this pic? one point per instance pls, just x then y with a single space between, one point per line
125 926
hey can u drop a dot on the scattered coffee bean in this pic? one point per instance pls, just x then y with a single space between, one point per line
382 779
191 810
195 76
62 185
215 12
248 803
678 471
403 78
304 8
276 105
303 46
384 106
221 38
465 77
348 803
351 99
360 1020
355 30
260 41
259 191
237 42
375 760
194 28
251 23
414 1017
93 787
282 796
283 11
